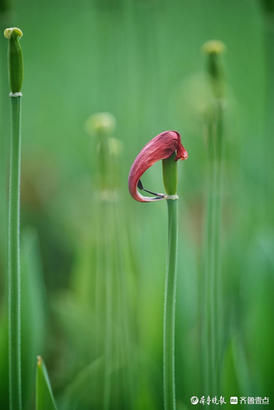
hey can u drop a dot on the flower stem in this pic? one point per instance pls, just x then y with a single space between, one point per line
108 268
213 274
169 307
208 266
217 233
212 278
14 259
213 49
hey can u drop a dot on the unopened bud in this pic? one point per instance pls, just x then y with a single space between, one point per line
15 59
102 123
214 49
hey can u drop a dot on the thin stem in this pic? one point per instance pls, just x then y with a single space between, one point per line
217 234
14 259
212 277
208 265
169 308
213 274
215 71
108 339
108 270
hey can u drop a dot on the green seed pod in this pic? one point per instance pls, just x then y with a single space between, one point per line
170 175
15 58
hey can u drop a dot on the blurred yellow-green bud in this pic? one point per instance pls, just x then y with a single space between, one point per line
102 123
108 149
213 47
214 50
15 58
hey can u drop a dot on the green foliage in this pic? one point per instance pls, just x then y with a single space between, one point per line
82 392
44 395
229 377
33 311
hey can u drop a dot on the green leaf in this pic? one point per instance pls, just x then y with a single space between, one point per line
33 320
85 391
4 365
230 380
44 395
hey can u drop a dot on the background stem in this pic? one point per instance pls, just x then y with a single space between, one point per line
14 259
212 273
169 308
217 236
208 265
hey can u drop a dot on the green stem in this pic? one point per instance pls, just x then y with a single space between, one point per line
213 50
108 252
208 266
169 307
14 259
217 235
213 326
213 275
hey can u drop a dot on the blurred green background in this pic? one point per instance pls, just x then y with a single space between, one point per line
93 260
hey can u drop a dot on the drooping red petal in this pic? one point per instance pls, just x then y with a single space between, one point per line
160 147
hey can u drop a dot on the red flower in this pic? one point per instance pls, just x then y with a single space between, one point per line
160 147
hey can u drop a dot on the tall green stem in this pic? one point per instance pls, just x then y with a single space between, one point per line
213 50
169 307
108 264
15 59
213 276
217 232
14 258
211 260
208 267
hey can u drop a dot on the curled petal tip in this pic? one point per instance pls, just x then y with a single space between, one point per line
160 147
181 153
